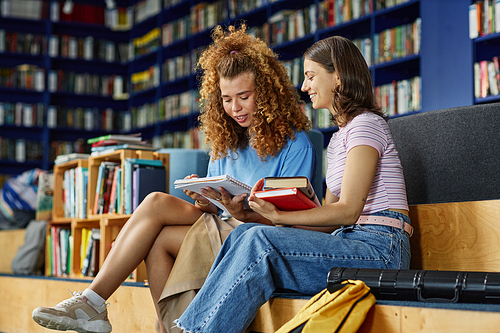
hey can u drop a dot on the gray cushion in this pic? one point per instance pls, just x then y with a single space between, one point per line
450 155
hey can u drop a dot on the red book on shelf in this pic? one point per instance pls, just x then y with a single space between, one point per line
287 198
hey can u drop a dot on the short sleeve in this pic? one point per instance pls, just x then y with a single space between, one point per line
366 131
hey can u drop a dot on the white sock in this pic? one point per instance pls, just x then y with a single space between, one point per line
93 297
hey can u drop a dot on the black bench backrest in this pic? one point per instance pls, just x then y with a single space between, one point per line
450 155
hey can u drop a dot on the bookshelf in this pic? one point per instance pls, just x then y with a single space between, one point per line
436 70
154 48
484 32
56 80
108 224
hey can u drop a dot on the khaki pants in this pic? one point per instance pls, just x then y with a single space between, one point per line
196 256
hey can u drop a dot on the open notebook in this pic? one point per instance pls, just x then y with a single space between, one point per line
231 184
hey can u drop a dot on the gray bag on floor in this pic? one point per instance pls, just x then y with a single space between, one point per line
30 258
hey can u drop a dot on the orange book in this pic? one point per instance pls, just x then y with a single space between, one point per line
287 198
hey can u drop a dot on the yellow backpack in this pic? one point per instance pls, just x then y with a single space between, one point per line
339 308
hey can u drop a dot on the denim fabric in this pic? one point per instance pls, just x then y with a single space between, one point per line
256 260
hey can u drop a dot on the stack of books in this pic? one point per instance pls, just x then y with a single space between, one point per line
60 159
289 193
109 143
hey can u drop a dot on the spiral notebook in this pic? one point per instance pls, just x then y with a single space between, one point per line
228 182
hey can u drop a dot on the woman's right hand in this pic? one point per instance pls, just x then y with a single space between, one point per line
235 205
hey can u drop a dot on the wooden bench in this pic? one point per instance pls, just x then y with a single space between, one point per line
450 160
10 241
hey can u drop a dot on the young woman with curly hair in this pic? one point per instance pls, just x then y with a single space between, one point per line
252 120
365 201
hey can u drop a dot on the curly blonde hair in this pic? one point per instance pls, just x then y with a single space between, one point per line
277 113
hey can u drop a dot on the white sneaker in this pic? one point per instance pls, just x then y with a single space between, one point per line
76 313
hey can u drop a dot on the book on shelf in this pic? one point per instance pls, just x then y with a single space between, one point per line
148 179
112 198
84 241
82 178
122 137
300 182
56 253
70 157
91 251
228 182
103 186
130 165
64 250
97 151
287 198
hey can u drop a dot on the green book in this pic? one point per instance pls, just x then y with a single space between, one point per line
121 137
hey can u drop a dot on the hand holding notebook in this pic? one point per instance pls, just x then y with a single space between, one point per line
229 183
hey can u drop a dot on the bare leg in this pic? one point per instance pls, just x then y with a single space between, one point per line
160 260
136 238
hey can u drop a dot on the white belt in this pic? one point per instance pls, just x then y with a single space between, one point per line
388 221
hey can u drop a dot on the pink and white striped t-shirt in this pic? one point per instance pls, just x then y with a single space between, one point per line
388 189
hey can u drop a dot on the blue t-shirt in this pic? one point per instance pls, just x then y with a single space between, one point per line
297 158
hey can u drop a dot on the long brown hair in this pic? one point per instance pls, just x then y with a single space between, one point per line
354 94
277 112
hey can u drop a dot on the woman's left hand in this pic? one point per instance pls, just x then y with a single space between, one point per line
262 207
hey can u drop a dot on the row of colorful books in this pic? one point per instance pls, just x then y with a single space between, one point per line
397 42
28 77
144 80
175 30
27 9
237 8
400 97
383 4
87 48
85 83
169 107
178 67
145 9
191 139
75 182
60 251
484 18
147 43
334 12
182 104
206 15
22 114
140 177
89 251
21 42
90 119
287 24
487 78
20 150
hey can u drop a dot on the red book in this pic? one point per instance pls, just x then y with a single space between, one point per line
287 198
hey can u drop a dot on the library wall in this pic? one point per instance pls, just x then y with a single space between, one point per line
69 76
